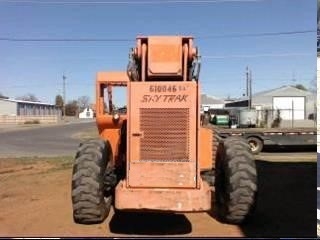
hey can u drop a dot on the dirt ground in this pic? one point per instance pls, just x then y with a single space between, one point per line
35 200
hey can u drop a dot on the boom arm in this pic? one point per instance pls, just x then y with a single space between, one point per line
163 58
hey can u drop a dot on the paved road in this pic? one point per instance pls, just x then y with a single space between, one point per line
288 156
60 141
42 141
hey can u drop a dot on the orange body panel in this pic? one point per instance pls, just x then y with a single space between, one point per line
114 78
108 128
162 134
164 138
162 175
205 148
163 199
164 56
111 131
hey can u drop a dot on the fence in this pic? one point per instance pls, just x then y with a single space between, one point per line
4 119
285 118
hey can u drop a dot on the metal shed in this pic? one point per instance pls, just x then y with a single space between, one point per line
292 102
12 107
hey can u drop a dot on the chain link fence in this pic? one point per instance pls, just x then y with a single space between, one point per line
285 118
273 118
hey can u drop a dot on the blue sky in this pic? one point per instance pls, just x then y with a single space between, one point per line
37 67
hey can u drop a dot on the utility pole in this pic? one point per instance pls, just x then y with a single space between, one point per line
248 86
64 95
247 82
250 89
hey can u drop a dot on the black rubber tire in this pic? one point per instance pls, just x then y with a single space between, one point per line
255 144
235 141
235 182
89 201
209 175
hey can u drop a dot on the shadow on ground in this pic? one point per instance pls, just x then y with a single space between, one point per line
286 207
149 224
286 201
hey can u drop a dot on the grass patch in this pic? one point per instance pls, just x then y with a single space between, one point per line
19 161
35 159
64 162
61 162
11 168
35 121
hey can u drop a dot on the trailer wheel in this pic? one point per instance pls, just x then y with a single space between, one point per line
255 144
91 203
235 183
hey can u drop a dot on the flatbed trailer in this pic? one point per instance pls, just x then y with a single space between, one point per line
260 137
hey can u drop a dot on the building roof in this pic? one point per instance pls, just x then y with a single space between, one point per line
207 99
22 101
283 90
238 103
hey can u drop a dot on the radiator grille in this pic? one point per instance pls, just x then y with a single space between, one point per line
165 134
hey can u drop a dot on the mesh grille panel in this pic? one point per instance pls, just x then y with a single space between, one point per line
165 134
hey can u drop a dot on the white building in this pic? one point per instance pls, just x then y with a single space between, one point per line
210 102
86 113
293 103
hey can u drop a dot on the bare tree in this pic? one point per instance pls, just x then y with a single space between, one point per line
301 87
72 108
59 101
3 96
83 102
28 97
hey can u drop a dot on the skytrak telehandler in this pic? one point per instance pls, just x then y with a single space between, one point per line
157 156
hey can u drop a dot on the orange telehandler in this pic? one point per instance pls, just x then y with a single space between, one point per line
157 156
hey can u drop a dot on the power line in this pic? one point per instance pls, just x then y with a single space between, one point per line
9 39
258 34
204 56
262 34
49 85
217 57
158 2
258 55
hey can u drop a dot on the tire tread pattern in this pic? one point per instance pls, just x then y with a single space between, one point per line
236 181
88 200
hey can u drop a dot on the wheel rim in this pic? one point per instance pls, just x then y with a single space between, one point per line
253 145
